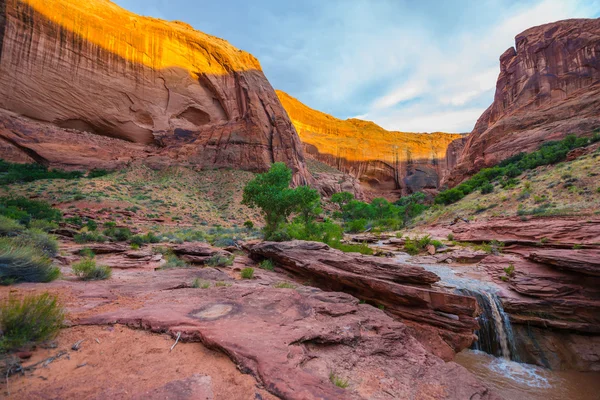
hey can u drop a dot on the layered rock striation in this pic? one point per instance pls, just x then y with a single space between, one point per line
548 87
381 159
91 70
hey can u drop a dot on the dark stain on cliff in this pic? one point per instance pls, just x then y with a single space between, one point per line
2 24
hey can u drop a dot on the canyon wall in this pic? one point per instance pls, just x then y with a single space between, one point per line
382 160
90 85
548 87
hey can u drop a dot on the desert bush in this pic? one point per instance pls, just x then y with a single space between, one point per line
247 273
22 262
10 227
25 210
43 225
200 284
414 246
437 244
267 265
284 285
338 381
87 253
34 319
361 248
118 234
174 262
487 188
220 260
87 270
450 236
89 237
41 240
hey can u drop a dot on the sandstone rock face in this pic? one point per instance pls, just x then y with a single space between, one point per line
549 86
553 294
382 160
444 322
90 71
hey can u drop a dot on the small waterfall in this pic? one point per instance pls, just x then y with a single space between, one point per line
495 334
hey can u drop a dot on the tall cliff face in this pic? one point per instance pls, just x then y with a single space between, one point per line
89 71
549 86
381 159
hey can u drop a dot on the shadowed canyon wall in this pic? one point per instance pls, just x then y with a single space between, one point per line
89 84
548 87
381 159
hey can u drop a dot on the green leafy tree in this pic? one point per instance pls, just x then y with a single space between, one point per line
277 201
342 198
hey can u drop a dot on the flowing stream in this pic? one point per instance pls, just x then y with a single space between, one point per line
494 358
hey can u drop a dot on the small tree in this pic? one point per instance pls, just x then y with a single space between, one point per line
342 198
271 193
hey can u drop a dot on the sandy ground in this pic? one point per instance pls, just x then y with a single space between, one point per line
115 362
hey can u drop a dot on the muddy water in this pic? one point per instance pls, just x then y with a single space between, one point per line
516 381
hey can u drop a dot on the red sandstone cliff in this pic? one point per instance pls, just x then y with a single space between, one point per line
103 87
549 87
381 159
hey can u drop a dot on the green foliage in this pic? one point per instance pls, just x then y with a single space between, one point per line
271 193
356 225
220 260
284 285
118 234
510 270
21 261
361 248
10 227
89 237
577 246
247 273
200 284
437 244
222 284
87 253
174 262
43 225
25 210
87 270
487 188
342 198
267 265
249 224
140 240
31 320
97 173
509 169
338 381
41 240
450 236
414 246
16 173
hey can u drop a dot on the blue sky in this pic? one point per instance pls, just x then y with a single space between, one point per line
406 65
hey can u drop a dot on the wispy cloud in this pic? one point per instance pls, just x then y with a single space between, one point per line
426 66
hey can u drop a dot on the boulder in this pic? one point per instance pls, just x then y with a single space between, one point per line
404 290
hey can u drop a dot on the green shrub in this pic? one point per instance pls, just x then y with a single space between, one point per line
356 226
338 381
89 237
510 270
16 173
450 236
118 234
267 265
21 262
361 248
220 260
10 227
87 253
200 284
40 240
91 225
284 285
577 246
43 225
87 270
247 273
414 246
24 210
487 188
437 244
174 262
31 320
249 224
